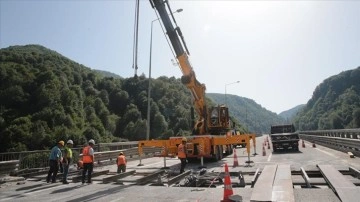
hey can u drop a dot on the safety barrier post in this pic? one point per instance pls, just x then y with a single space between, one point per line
165 164
254 142
202 162
140 152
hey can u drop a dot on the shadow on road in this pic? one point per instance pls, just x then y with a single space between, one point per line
100 194
286 152
67 189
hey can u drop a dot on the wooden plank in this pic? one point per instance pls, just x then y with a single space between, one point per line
344 188
282 187
263 187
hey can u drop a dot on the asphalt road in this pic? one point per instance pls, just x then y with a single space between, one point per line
307 158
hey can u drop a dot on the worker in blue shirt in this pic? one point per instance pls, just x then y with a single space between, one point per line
54 162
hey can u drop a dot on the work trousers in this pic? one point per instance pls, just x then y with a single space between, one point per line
88 167
54 168
121 168
183 164
66 169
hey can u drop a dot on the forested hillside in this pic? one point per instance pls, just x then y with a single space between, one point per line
335 104
256 118
291 113
45 97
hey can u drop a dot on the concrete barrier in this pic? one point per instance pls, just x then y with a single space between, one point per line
6 167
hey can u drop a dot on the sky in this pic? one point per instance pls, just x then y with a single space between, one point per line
278 50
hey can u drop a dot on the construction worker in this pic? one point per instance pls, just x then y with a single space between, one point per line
182 154
54 162
121 163
67 160
88 161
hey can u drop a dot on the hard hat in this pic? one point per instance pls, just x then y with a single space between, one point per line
70 142
184 139
61 142
92 141
121 153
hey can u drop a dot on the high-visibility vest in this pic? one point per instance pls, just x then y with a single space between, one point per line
181 151
121 160
68 152
86 156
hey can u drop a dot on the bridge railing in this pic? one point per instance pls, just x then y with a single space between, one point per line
103 151
346 140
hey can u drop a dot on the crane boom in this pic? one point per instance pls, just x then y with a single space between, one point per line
212 135
196 88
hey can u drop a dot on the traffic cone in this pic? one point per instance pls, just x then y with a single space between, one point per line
264 152
268 145
303 144
314 144
236 163
227 185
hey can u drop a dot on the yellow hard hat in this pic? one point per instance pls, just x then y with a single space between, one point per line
184 139
61 142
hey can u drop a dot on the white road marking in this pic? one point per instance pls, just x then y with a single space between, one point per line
117 199
269 158
328 153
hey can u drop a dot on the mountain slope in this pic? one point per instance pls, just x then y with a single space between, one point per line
335 103
255 117
291 113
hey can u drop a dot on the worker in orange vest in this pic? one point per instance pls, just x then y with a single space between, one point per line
182 154
121 163
88 161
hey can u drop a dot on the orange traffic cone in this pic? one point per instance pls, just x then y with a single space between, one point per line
227 185
314 144
264 152
236 163
268 145
303 144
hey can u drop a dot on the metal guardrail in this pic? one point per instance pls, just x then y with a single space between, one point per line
40 158
341 133
129 153
346 140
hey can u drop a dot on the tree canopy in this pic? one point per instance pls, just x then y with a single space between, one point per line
46 97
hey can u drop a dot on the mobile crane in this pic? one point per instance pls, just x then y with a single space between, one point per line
212 134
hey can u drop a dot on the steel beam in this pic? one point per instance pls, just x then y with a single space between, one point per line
114 178
306 177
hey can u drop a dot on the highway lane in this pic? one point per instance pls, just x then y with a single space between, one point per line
308 158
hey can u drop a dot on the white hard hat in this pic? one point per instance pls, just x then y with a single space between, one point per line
70 142
91 141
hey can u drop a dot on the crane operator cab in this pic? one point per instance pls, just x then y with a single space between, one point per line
219 120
